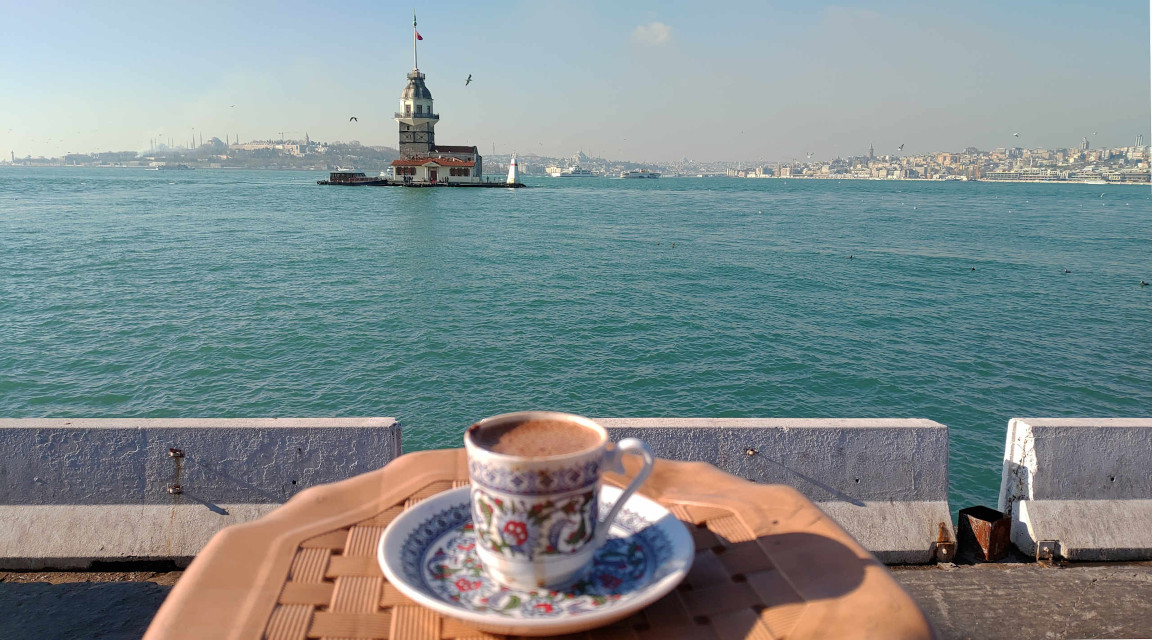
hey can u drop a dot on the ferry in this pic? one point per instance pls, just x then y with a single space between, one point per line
575 171
640 173
173 167
354 179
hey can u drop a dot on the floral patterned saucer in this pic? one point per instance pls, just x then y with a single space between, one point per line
429 554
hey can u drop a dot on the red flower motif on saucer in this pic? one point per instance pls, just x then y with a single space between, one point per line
464 584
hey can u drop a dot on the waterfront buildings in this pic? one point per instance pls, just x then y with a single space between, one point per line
1082 164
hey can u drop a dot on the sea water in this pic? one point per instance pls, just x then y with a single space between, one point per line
132 293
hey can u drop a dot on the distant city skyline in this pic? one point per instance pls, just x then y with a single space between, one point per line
643 81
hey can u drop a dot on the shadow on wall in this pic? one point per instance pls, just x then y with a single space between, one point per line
838 494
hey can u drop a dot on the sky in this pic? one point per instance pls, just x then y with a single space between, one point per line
641 81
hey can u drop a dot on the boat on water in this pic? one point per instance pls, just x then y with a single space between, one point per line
640 173
173 167
354 179
575 171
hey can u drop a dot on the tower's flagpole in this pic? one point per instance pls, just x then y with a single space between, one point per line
415 59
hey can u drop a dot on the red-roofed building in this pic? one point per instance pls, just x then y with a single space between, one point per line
436 169
421 159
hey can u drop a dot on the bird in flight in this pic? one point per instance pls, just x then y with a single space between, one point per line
900 148
231 106
1015 135
809 154
353 118
468 81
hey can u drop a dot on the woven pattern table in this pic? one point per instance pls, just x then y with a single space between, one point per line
768 564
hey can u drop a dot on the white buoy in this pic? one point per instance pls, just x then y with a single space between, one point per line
513 173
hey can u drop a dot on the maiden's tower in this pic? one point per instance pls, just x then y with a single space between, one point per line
422 161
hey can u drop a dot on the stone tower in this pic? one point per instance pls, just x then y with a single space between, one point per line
416 118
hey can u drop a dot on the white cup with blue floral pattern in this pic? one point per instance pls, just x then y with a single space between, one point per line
535 494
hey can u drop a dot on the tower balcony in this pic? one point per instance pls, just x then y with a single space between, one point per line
416 116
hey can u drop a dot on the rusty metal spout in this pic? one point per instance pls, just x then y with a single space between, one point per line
985 532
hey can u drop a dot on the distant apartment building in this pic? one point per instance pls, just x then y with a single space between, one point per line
291 148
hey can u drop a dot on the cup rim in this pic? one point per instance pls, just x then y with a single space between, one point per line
524 416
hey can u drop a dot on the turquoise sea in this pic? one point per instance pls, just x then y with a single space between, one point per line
125 292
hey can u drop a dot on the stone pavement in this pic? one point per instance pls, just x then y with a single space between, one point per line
1020 601
1026 601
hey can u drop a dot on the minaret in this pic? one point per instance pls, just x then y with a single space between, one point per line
416 118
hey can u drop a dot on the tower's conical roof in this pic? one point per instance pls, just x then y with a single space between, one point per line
416 88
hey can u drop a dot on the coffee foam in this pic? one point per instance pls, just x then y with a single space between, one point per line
536 438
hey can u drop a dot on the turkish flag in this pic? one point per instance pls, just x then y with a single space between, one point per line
418 36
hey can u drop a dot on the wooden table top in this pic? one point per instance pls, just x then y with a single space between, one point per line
769 564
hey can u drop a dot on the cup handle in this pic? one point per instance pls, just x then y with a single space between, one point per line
615 463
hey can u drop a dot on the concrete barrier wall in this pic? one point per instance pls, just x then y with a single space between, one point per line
1079 488
75 491
884 480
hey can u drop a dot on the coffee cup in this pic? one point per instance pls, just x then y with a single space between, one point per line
535 494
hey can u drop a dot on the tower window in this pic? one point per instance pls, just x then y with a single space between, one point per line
419 108
407 109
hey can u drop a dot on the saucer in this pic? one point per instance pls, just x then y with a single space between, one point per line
429 553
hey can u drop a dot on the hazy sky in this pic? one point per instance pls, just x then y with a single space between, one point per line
627 80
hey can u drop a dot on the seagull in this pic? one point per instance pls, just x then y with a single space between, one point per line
900 148
468 81
809 154
1015 135
353 118
230 106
